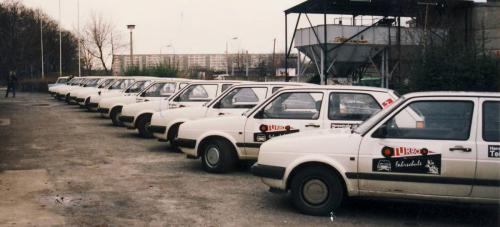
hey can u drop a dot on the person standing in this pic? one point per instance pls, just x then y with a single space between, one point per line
11 84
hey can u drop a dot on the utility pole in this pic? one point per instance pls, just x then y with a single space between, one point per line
274 56
427 4
60 41
41 40
79 41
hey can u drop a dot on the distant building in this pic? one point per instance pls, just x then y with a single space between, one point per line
211 62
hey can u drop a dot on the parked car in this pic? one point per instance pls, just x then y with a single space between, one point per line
115 89
63 92
62 80
234 101
222 142
111 107
159 97
451 152
82 97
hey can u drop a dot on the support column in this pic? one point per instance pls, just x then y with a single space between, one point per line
325 50
286 47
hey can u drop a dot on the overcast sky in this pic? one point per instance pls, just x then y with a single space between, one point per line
191 26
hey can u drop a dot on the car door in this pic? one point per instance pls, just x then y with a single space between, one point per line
288 112
488 151
237 100
426 147
349 109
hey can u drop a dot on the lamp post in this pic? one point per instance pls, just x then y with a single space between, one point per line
173 48
131 27
227 59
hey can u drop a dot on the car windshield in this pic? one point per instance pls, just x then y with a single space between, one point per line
92 83
106 83
120 84
376 117
61 80
138 86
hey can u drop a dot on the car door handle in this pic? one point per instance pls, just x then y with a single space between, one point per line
460 148
221 114
312 125
146 100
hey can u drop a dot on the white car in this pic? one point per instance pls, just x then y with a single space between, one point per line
82 97
221 142
115 89
234 101
61 91
452 152
138 115
89 86
112 107
62 80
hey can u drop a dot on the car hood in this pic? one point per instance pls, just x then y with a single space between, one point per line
222 124
168 115
314 141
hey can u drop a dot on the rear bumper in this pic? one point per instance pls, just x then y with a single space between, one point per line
185 143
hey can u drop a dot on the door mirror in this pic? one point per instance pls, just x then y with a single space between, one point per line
381 132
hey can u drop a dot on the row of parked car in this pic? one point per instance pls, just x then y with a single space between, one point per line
333 141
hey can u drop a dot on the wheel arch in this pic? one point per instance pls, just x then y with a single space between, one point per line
204 139
315 163
141 115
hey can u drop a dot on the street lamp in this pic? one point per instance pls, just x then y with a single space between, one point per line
131 27
173 48
227 59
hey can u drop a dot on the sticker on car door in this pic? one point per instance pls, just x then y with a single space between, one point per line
493 151
269 131
408 160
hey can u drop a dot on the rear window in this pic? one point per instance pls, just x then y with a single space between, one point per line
491 121
351 106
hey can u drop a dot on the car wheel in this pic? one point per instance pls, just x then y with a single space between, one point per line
87 102
115 114
143 124
66 99
172 134
316 191
218 156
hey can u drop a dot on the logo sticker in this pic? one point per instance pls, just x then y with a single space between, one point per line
269 131
493 151
408 160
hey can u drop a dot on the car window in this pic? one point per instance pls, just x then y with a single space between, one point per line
351 106
242 98
275 89
198 93
106 83
92 83
182 85
491 121
121 84
440 120
297 105
225 87
160 90
138 86
61 80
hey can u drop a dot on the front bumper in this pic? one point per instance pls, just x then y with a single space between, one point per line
187 146
157 129
128 121
266 171
271 176
103 110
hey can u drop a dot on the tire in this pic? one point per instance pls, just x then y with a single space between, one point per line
87 102
66 98
327 185
142 126
114 115
172 134
218 156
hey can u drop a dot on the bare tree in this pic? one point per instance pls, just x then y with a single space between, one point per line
99 40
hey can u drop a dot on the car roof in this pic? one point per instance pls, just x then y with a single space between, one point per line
341 87
452 94
276 83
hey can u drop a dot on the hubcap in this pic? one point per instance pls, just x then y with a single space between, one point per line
212 156
315 191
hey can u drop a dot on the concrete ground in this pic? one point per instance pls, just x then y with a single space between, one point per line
60 165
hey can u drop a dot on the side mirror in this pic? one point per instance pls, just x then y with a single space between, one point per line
381 132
